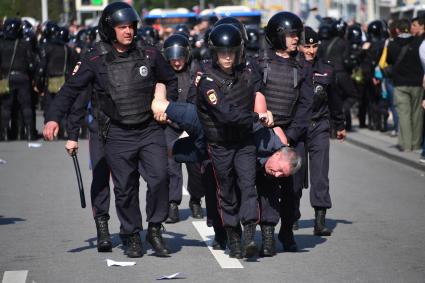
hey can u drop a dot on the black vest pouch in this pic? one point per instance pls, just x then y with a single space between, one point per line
320 87
130 86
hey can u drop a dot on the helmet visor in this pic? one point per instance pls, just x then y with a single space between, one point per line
124 16
176 52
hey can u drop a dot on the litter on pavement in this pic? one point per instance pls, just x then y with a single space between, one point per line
111 262
172 276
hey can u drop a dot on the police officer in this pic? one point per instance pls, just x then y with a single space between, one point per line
324 102
335 49
56 61
225 101
253 42
177 53
17 70
355 64
281 89
371 95
123 78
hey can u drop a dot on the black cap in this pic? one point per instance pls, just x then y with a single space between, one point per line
310 36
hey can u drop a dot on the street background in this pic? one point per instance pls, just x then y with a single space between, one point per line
377 218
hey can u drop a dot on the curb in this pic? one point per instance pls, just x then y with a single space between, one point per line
384 153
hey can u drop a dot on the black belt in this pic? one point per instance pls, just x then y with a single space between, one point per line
14 73
137 126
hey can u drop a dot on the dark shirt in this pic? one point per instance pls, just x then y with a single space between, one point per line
409 71
91 71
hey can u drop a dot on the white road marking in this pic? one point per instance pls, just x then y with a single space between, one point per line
207 235
16 276
185 192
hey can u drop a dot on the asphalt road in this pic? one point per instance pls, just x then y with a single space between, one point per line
378 219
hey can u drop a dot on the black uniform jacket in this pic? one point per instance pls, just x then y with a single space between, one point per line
91 71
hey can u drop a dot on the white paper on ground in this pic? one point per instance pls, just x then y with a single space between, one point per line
2 161
111 262
172 276
34 144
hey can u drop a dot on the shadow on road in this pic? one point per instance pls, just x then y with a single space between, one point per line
175 241
91 244
330 223
186 213
9 220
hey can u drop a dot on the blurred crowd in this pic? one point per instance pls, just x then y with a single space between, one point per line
379 67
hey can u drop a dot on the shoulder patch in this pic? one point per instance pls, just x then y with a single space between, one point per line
76 68
212 97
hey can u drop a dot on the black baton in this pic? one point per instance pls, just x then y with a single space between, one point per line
80 181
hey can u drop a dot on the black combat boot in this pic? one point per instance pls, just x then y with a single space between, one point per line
154 238
269 244
4 134
250 248
195 207
173 213
286 237
220 239
104 243
234 241
320 228
134 246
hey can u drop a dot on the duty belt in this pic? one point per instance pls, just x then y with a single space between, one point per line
132 126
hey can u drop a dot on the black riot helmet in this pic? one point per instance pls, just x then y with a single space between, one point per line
50 31
176 47
63 35
115 14
182 29
12 29
148 34
82 36
235 22
354 34
253 42
27 28
280 25
226 38
92 33
325 31
377 30
339 28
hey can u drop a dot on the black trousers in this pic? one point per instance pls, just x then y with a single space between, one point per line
124 148
195 184
174 168
318 153
348 92
100 190
20 89
211 196
234 168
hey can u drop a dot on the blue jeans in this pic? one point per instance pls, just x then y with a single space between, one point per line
390 89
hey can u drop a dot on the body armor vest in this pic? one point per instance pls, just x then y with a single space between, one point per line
58 55
130 88
281 88
184 80
239 91
20 63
